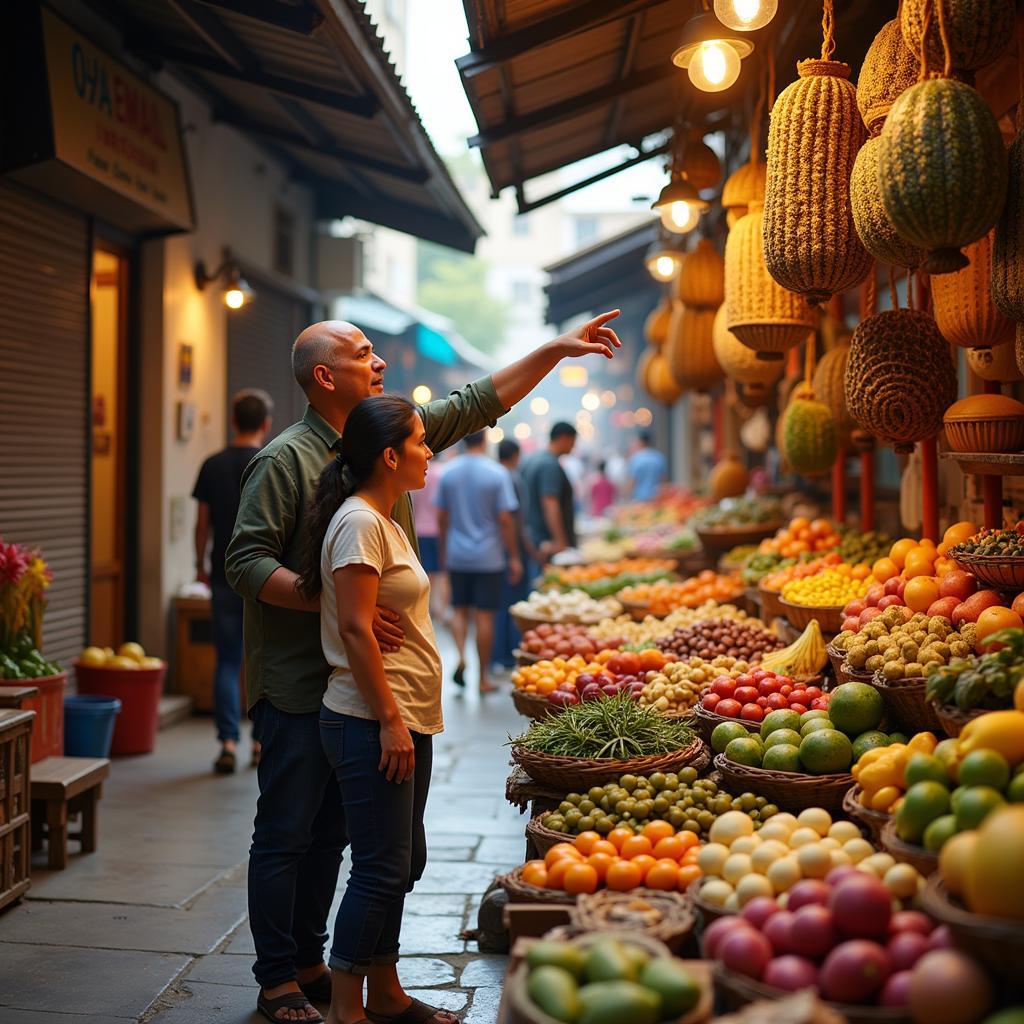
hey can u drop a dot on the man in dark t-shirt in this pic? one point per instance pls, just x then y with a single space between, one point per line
550 514
218 489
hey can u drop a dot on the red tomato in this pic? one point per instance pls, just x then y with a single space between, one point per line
777 701
784 680
752 713
709 700
798 708
819 705
758 674
786 689
813 692
624 663
746 694
745 679
761 702
768 685
723 686
728 707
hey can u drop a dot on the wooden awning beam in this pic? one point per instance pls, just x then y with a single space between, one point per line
299 19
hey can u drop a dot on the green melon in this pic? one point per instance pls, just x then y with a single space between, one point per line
809 436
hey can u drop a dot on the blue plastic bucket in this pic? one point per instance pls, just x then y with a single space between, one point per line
89 725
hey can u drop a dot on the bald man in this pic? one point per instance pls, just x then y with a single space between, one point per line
299 831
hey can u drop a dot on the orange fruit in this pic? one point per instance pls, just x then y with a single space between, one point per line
958 533
691 855
634 846
670 846
920 562
603 846
926 542
944 566
898 552
535 873
657 830
1018 604
601 862
691 841
584 842
663 875
644 862
618 836
860 571
920 593
560 850
623 875
685 875
581 878
557 870
993 619
884 569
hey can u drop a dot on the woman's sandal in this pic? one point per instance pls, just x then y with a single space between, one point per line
417 1012
289 1001
225 763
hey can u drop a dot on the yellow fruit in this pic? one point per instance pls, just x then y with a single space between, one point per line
92 656
954 857
752 885
922 743
886 771
884 798
712 858
767 854
151 663
1002 731
993 882
802 836
858 849
784 874
131 650
745 844
902 880
815 860
730 826
117 661
817 818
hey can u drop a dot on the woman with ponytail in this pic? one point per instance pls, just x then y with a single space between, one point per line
380 710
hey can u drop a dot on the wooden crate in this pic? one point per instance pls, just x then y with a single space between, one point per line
15 838
195 656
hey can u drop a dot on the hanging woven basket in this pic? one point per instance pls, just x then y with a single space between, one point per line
963 304
942 169
700 164
900 378
810 441
700 283
728 478
656 324
1008 251
763 315
740 362
810 243
978 30
690 349
998 364
889 68
743 187
874 227
829 383
655 378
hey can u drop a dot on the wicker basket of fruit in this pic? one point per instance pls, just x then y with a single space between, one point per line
874 821
996 557
792 791
905 704
525 658
800 616
665 916
771 604
719 539
907 853
542 837
952 719
533 705
705 722
520 891
706 910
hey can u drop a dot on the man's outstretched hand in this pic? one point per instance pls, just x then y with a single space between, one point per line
591 337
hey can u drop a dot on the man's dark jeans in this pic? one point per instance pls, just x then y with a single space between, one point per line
389 846
297 843
226 610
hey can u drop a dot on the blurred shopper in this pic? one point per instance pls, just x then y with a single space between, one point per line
425 514
299 832
602 491
476 504
648 469
550 511
217 490
506 635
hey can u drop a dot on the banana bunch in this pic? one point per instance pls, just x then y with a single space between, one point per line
806 656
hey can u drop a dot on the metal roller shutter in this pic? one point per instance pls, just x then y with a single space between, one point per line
260 337
44 381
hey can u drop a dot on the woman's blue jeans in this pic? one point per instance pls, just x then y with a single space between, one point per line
226 610
387 842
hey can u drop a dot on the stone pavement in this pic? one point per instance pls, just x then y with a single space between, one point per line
153 926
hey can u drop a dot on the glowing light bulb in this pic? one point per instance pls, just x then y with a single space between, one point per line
662 268
421 394
715 66
745 15
234 298
680 217
608 398
591 401
539 406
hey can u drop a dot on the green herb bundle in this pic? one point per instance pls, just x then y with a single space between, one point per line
617 727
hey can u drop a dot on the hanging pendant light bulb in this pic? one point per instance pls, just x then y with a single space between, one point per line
680 206
745 15
663 260
710 53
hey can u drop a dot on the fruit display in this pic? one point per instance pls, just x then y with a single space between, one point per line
800 536
567 606
670 508
715 637
668 537
868 546
128 656
686 802
791 855
627 632
603 579
753 694
880 769
1004 543
565 683
805 656
800 570
663 597
832 587
986 681
23 661
735 513
562 640
608 981
758 564
678 686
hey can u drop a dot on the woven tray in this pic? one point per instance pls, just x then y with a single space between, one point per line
1003 573
800 616
524 658
704 722
522 892
571 773
771 604
598 912
952 719
533 705
790 791
905 705
874 821
718 539
907 853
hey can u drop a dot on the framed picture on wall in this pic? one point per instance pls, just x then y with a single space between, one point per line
184 364
185 420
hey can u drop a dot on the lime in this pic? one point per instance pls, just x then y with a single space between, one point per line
855 708
984 768
954 797
814 725
745 750
925 767
782 757
1015 790
826 751
948 753
868 741
922 804
783 736
816 713
726 731
781 718
936 834
975 804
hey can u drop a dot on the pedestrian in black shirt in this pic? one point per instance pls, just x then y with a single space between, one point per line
218 488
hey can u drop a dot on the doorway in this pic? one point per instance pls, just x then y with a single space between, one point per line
109 308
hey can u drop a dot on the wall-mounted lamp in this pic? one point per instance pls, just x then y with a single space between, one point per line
237 291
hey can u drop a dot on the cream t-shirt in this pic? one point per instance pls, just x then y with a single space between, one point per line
360 534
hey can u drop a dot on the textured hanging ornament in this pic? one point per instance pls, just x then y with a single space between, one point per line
889 69
740 362
963 304
700 164
701 279
762 314
995 363
1008 252
829 385
654 377
1018 347
810 243
977 31
900 378
656 324
810 441
875 229
744 186
690 349
728 478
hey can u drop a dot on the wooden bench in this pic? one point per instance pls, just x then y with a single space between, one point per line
61 787
13 697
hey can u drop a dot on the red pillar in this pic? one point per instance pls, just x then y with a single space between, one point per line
930 489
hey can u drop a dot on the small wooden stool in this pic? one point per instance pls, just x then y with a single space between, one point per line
62 786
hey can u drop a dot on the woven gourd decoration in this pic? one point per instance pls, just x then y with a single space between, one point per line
963 302
656 324
888 69
810 440
700 282
899 377
728 478
742 187
1008 251
690 349
876 231
995 363
654 377
741 363
700 164
978 30
764 316
829 383
942 169
810 243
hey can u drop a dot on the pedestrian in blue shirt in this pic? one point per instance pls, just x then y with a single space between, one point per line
647 468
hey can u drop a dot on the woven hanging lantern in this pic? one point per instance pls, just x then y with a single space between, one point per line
810 243
995 363
742 187
700 164
978 30
810 440
963 304
656 324
942 169
763 315
741 363
728 478
701 280
690 349
889 68
875 229
899 377
1008 251
654 376
830 387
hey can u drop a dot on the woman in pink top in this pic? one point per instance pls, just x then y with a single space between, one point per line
602 492
425 512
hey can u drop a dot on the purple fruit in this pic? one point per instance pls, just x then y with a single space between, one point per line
758 910
778 931
812 932
906 948
791 973
806 892
854 972
861 906
896 989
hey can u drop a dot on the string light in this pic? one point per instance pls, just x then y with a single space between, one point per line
643 417
522 431
608 398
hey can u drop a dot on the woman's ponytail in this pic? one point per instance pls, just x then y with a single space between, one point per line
336 483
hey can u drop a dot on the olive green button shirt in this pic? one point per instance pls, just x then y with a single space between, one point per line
284 661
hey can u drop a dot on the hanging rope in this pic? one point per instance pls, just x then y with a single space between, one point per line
926 23
828 27
771 79
947 67
869 294
755 123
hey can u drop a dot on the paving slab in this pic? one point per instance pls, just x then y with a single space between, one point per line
223 969
435 903
10 1015
441 877
484 972
443 999
200 1003
506 851
425 972
485 1007
431 935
